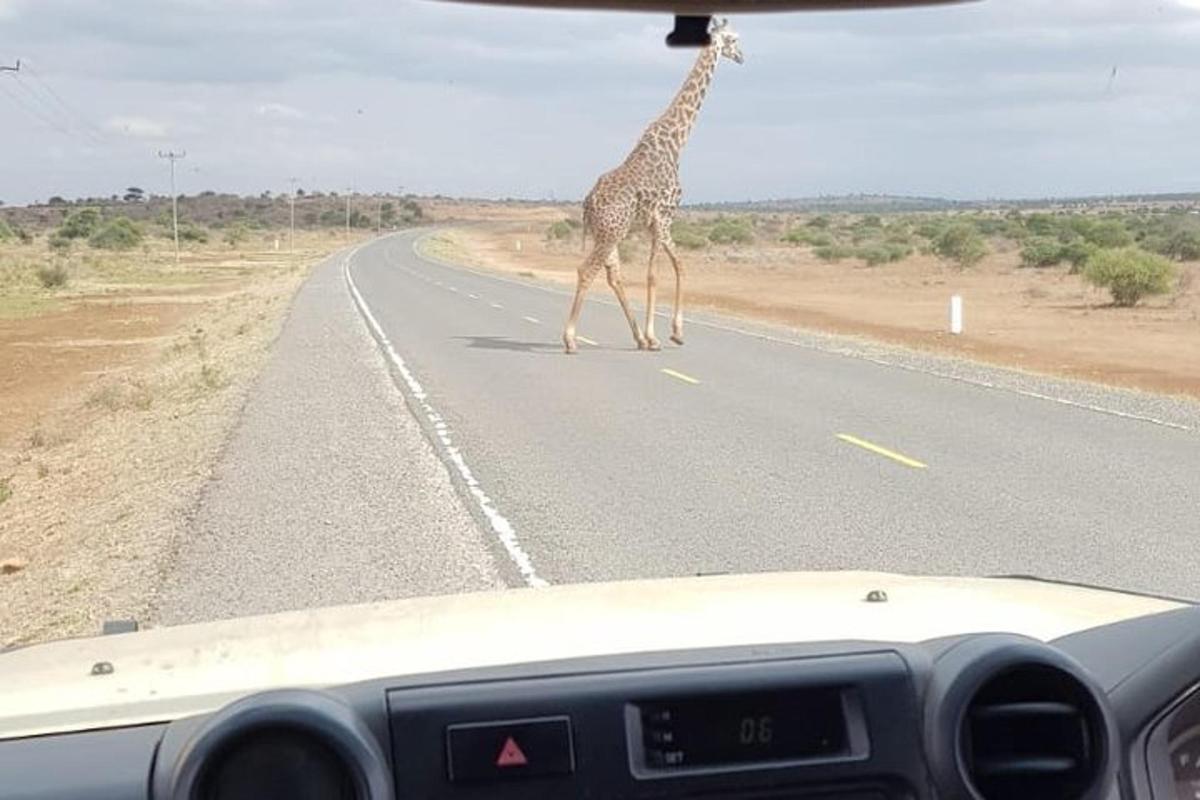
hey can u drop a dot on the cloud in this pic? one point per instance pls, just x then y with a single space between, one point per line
992 98
280 111
137 127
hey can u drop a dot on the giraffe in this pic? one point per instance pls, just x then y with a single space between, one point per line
644 190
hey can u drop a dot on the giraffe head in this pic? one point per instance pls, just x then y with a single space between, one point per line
725 40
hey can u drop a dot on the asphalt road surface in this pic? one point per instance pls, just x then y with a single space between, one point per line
738 452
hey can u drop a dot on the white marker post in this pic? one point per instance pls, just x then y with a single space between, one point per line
518 245
956 314
276 244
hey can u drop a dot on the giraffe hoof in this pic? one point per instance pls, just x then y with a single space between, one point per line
642 344
652 344
677 339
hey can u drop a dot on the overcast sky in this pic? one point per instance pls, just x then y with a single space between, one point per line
1003 98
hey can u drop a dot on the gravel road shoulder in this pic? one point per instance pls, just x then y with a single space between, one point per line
327 491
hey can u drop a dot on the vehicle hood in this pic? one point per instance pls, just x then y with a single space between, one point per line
165 673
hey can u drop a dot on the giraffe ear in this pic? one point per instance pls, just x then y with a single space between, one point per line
719 23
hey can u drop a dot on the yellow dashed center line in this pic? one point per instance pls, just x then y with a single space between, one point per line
882 451
586 340
680 376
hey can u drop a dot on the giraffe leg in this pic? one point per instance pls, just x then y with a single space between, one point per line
587 273
613 265
677 317
651 286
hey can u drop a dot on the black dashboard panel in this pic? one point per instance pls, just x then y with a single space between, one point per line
844 720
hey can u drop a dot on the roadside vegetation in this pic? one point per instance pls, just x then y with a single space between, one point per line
1132 253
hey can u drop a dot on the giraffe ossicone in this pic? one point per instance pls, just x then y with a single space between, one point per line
644 190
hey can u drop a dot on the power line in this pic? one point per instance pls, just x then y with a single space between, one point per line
34 112
70 110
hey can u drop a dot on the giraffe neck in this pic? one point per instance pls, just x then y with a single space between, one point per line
680 116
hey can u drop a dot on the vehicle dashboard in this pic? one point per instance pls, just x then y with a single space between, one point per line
1109 712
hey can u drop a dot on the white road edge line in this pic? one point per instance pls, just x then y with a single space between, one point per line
1112 412
500 525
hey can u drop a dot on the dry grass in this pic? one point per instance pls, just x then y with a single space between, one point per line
123 385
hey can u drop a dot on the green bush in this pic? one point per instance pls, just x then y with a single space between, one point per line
80 224
1109 234
1129 274
877 253
6 232
1183 245
731 231
688 236
52 276
59 243
833 252
559 231
190 232
1041 251
236 234
960 243
1077 253
117 234
821 222
797 236
817 238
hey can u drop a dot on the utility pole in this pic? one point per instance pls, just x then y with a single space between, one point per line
172 156
292 233
16 68
349 191
378 216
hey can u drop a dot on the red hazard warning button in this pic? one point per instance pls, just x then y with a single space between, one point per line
509 749
511 755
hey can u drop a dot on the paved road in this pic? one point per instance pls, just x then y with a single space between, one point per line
608 466
487 457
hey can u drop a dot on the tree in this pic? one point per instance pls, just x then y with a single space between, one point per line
56 201
960 243
134 195
1129 274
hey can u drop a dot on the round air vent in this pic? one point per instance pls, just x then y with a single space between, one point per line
294 744
1013 719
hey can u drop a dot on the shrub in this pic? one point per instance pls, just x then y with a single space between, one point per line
1129 274
23 236
821 222
816 238
1110 234
1041 251
52 276
6 232
190 232
877 253
960 243
80 224
559 230
688 236
117 234
1077 253
235 235
731 231
833 252
1183 245
59 243
797 236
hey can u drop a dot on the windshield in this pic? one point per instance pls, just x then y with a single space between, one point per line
303 305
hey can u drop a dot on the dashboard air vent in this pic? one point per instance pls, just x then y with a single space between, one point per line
1032 731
